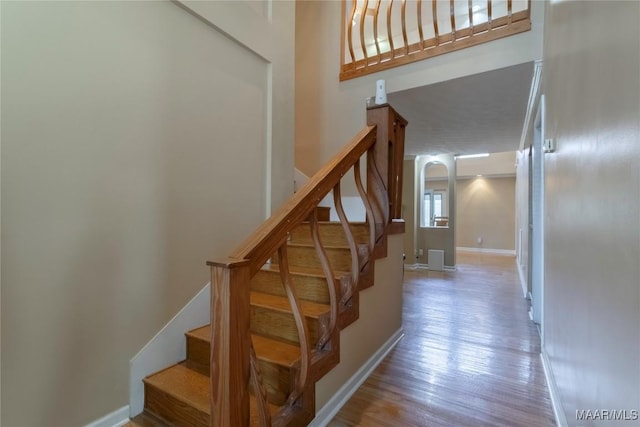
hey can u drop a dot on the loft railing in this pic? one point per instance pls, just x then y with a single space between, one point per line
233 361
382 34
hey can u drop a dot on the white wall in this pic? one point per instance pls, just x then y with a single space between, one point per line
592 206
138 141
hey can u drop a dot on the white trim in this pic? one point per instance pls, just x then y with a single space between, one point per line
419 266
167 347
510 252
331 408
531 103
523 281
561 419
117 418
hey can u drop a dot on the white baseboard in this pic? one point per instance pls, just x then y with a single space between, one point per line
510 252
419 266
561 419
117 418
168 347
523 281
331 408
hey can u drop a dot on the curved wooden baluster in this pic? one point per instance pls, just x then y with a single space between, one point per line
384 203
258 386
509 12
367 206
403 22
362 43
375 28
452 13
389 33
436 36
420 24
328 272
355 263
301 325
350 33
471 17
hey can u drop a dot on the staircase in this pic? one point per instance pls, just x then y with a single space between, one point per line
280 301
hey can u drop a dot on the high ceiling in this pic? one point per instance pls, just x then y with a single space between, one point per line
475 114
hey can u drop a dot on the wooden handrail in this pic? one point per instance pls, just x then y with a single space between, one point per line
259 247
458 31
233 359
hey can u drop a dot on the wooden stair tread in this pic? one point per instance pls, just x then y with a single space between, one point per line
193 388
326 247
202 333
274 351
304 271
267 349
309 309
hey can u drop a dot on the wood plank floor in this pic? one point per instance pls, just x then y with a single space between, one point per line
470 356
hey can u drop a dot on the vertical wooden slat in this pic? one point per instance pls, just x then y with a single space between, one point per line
375 28
355 264
363 45
434 4
471 16
403 20
350 33
489 13
397 164
230 343
389 33
509 11
452 14
419 7
301 325
328 273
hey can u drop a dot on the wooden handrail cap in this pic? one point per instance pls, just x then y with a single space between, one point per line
228 263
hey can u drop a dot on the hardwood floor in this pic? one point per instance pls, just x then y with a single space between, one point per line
470 356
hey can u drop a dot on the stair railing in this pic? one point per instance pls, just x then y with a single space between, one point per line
233 362
382 34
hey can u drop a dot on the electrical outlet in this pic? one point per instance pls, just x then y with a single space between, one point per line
479 241
420 252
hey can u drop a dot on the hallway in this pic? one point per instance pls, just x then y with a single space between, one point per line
470 355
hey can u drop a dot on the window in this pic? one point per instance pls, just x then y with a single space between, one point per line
434 207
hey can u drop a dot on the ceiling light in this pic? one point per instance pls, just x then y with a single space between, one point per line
472 156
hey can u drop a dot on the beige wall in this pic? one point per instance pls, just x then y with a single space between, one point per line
380 317
592 205
486 209
137 141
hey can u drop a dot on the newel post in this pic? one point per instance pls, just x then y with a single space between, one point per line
387 159
230 345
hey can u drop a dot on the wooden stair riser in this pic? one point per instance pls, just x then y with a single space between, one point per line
198 352
172 409
281 325
331 234
308 287
306 256
277 381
